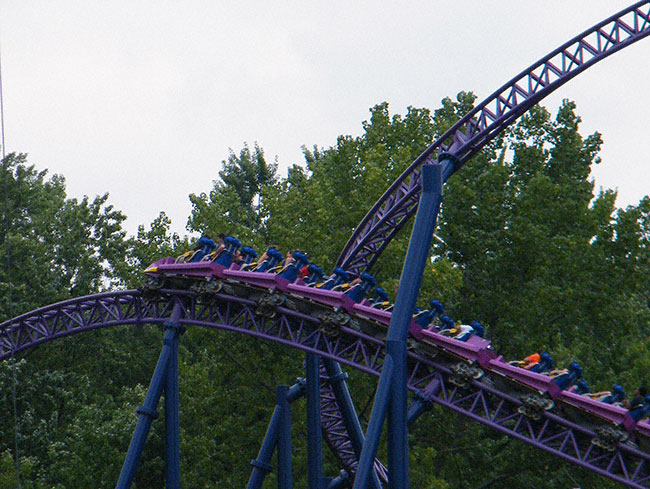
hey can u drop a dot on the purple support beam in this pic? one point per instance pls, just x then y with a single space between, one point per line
554 433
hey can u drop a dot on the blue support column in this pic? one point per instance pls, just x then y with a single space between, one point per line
375 426
343 480
337 380
422 404
416 409
314 435
148 411
284 438
394 379
172 421
407 294
262 464
397 429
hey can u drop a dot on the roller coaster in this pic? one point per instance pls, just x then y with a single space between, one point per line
334 327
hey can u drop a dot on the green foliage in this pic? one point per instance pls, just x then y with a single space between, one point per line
341 183
147 247
548 265
75 243
524 245
235 204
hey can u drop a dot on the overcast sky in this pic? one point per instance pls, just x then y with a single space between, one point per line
143 99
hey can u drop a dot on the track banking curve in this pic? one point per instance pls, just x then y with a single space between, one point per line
357 338
471 133
241 307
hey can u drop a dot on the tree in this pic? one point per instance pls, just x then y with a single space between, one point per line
547 264
146 247
53 247
524 244
234 205
316 208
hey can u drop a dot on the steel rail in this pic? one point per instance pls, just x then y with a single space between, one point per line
472 132
478 400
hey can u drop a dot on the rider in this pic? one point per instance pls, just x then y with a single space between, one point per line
268 258
291 269
380 300
536 362
638 401
339 276
544 364
314 274
615 396
461 332
479 330
360 287
567 377
216 251
530 360
203 247
446 324
580 388
425 317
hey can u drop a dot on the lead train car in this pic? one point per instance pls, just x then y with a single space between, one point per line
271 290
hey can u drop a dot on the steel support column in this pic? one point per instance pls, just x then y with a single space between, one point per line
172 419
343 480
375 426
351 422
422 404
314 435
148 411
262 464
392 392
284 438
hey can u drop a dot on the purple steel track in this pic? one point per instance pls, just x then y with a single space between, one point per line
337 436
485 121
477 400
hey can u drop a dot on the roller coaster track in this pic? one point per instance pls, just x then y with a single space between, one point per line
479 401
431 377
471 133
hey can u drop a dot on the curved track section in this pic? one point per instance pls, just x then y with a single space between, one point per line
75 316
358 346
485 121
336 435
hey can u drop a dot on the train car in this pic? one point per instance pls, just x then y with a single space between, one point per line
642 434
474 350
468 360
176 272
612 423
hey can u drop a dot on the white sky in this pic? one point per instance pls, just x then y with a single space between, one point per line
143 98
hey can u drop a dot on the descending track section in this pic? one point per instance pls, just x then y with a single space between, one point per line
468 378
494 393
485 121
